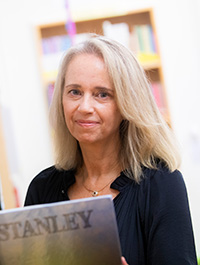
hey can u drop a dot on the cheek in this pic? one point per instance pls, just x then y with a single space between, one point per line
118 118
115 117
68 110
117 113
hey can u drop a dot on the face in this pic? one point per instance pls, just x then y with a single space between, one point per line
90 109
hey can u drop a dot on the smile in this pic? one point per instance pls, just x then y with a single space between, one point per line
86 124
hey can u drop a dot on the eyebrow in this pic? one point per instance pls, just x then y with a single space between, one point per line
100 88
72 85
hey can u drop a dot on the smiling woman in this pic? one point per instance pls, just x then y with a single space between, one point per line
110 138
90 110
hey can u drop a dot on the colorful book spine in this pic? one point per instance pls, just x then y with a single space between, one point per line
158 95
50 90
56 44
142 43
140 38
152 41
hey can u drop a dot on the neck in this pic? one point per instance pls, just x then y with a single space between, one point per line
101 166
100 161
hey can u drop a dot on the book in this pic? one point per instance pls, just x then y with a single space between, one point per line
50 90
56 44
142 43
134 41
140 38
152 39
65 233
158 95
117 31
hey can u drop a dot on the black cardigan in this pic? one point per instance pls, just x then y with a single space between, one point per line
153 217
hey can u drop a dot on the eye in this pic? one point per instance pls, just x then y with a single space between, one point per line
74 92
103 94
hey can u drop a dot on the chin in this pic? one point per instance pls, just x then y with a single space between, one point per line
88 140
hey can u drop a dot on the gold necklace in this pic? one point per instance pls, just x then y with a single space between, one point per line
95 193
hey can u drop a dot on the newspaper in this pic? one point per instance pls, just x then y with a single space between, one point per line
78 232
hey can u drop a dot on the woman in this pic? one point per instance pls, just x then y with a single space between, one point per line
111 139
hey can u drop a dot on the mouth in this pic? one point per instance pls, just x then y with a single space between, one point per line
87 123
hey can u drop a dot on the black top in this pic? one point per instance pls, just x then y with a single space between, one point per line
153 217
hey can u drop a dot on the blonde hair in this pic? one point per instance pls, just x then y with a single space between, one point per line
145 136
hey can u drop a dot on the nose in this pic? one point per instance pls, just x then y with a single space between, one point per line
86 104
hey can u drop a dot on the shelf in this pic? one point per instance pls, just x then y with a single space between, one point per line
139 32
154 64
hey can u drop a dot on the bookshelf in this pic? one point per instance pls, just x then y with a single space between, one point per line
137 28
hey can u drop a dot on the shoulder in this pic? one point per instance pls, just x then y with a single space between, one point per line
47 175
162 179
47 186
162 190
45 178
165 216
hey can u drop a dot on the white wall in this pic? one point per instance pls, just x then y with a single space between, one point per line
23 102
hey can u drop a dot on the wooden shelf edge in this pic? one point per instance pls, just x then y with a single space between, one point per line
105 15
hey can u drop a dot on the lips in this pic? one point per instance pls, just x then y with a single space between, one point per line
87 123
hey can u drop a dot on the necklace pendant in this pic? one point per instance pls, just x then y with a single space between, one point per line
95 193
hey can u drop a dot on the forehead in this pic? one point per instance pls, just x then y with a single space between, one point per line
88 65
85 58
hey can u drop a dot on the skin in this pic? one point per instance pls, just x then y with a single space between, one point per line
124 261
91 113
93 118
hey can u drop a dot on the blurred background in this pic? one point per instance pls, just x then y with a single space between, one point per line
33 35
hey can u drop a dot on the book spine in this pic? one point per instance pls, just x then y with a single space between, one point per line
134 41
140 38
144 29
157 93
152 39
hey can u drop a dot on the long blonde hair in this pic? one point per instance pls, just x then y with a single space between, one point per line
145 136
